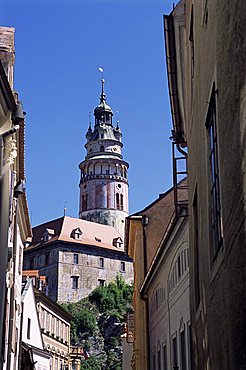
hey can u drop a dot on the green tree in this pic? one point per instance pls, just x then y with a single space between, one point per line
92 363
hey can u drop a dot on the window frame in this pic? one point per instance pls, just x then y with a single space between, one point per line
75 282
76 258
101 262
214 188
122 266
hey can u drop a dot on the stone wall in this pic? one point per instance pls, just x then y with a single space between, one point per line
67 262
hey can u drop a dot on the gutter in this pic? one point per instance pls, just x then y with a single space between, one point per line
6 89
171 62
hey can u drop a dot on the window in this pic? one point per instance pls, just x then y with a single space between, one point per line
214 182
117 200
101 282
190 348
175 352
75 282
61 330
42 318
31 264
52 325
164 353
122 266
47 259
84 202
159 360
154 365
179 267
183 351
76 233
121 201
28 328
57 328
101 262
101 148
47 322
75 258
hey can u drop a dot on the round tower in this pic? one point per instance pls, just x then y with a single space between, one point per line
103 183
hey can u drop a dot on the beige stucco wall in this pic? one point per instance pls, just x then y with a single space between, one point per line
219 58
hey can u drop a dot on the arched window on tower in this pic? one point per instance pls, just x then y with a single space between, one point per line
84 202
117 200
121 201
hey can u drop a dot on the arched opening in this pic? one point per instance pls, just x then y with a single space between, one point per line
121 201
117 200
102 148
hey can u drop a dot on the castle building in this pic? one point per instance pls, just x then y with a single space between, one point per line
76 256
104 184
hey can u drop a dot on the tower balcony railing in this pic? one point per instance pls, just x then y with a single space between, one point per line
103 176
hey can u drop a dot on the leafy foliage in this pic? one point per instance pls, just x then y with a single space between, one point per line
92 363
115 296
98 322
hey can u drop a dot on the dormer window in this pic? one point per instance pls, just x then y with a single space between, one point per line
76 234
48 234
117 242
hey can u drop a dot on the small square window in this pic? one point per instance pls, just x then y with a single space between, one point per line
122 266
101 262
75 258
101 282
75 282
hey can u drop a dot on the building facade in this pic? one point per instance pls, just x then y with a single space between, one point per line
76 256
104 184
31 335
55 327
206 62
166 289
144 234
14 219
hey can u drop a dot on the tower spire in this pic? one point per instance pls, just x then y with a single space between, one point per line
103 95
104 183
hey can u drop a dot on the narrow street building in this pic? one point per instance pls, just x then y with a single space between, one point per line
14 219
206 65
33 351
156 281
166 289
55 328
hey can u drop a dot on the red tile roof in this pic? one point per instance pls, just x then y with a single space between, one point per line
92 233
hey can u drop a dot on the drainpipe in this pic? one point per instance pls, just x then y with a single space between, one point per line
4 232
145 222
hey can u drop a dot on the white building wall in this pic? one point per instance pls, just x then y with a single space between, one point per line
169 313
31 333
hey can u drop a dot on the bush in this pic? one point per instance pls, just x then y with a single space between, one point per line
92 363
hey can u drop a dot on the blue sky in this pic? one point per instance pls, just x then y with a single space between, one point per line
59 47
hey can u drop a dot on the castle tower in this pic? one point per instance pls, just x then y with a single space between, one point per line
104 184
